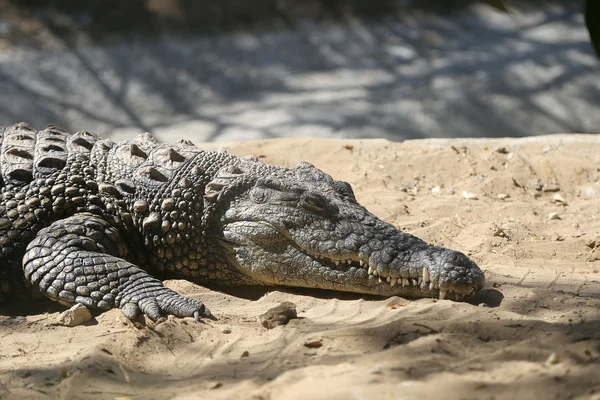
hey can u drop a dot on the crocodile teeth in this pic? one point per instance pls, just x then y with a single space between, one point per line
370 269
361 262
389 279
337 262
426 276
380 280
393 282
419 281
348 262
405 282
443 294
375 272
414 282
431 285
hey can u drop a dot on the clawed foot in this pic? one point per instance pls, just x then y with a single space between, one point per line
167 302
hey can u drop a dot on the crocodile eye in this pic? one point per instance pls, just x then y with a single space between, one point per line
313 202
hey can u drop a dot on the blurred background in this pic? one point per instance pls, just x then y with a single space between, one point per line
234 70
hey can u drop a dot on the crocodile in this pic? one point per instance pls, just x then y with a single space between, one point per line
86 220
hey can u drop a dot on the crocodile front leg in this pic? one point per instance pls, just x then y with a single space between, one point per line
80 259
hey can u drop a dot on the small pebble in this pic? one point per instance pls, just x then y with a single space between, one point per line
278 315
551 186
552 359
226 330
559 199
313 343
553 215
74 316
469 195
215 385
503 196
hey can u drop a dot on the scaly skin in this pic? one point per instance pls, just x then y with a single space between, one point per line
90 221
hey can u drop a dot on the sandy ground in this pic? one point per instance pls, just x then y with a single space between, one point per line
533 332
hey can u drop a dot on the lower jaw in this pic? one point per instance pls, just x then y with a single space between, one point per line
376 287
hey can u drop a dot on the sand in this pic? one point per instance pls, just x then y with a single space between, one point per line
526 210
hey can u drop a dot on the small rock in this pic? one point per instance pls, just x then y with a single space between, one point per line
469 195
557 198
313 343
413 190
226 330
552 359
436 190
500 233
74 316
503 196
215 385
557 238
551 186
591 243
482 305
553 215
536 184
279 315
245 354
502 150
348 146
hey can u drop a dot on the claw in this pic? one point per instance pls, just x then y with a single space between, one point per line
208 314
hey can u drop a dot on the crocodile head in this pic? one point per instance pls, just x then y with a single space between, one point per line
300 227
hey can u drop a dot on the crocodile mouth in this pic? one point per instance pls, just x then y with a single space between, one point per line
275 256
412 282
